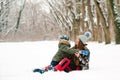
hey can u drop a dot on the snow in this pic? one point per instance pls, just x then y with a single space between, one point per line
18 59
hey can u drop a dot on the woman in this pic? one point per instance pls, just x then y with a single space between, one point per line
80 43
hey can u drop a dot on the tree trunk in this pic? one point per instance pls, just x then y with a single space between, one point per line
83 15
99 34
19 16
4 12
110 19
116 23
76 20
75 28
91 20
99 29
105 28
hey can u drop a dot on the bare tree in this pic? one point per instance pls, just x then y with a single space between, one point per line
20 13
4 12
116 20
28 20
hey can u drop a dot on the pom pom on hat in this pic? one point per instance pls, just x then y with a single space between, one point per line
85 37
88 34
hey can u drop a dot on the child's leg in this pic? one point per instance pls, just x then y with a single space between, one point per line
52 65
49 67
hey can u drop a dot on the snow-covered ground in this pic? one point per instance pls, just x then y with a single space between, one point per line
17 61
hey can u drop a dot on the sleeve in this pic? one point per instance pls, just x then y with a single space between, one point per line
68 50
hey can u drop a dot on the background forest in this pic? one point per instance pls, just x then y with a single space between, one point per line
35 20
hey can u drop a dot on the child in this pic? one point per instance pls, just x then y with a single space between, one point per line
64 51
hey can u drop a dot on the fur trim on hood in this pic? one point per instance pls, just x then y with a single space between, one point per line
67 42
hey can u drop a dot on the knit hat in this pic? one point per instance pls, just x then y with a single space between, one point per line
85 37
65 37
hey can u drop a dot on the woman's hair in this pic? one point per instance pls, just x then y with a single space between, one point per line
80 45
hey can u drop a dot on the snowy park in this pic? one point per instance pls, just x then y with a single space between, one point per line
18 59
30 32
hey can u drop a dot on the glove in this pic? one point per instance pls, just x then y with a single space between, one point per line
84 52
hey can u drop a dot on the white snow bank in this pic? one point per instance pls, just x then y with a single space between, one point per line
17 60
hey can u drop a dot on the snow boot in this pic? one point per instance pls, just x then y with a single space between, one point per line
39 70
47 68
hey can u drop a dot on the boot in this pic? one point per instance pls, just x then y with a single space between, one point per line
47 68
41 71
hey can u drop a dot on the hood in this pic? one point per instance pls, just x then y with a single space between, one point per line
64 42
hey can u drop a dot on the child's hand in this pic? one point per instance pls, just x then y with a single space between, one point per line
77 54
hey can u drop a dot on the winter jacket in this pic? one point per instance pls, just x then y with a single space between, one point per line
83 60
64 51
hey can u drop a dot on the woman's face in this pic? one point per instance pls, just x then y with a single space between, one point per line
77 41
